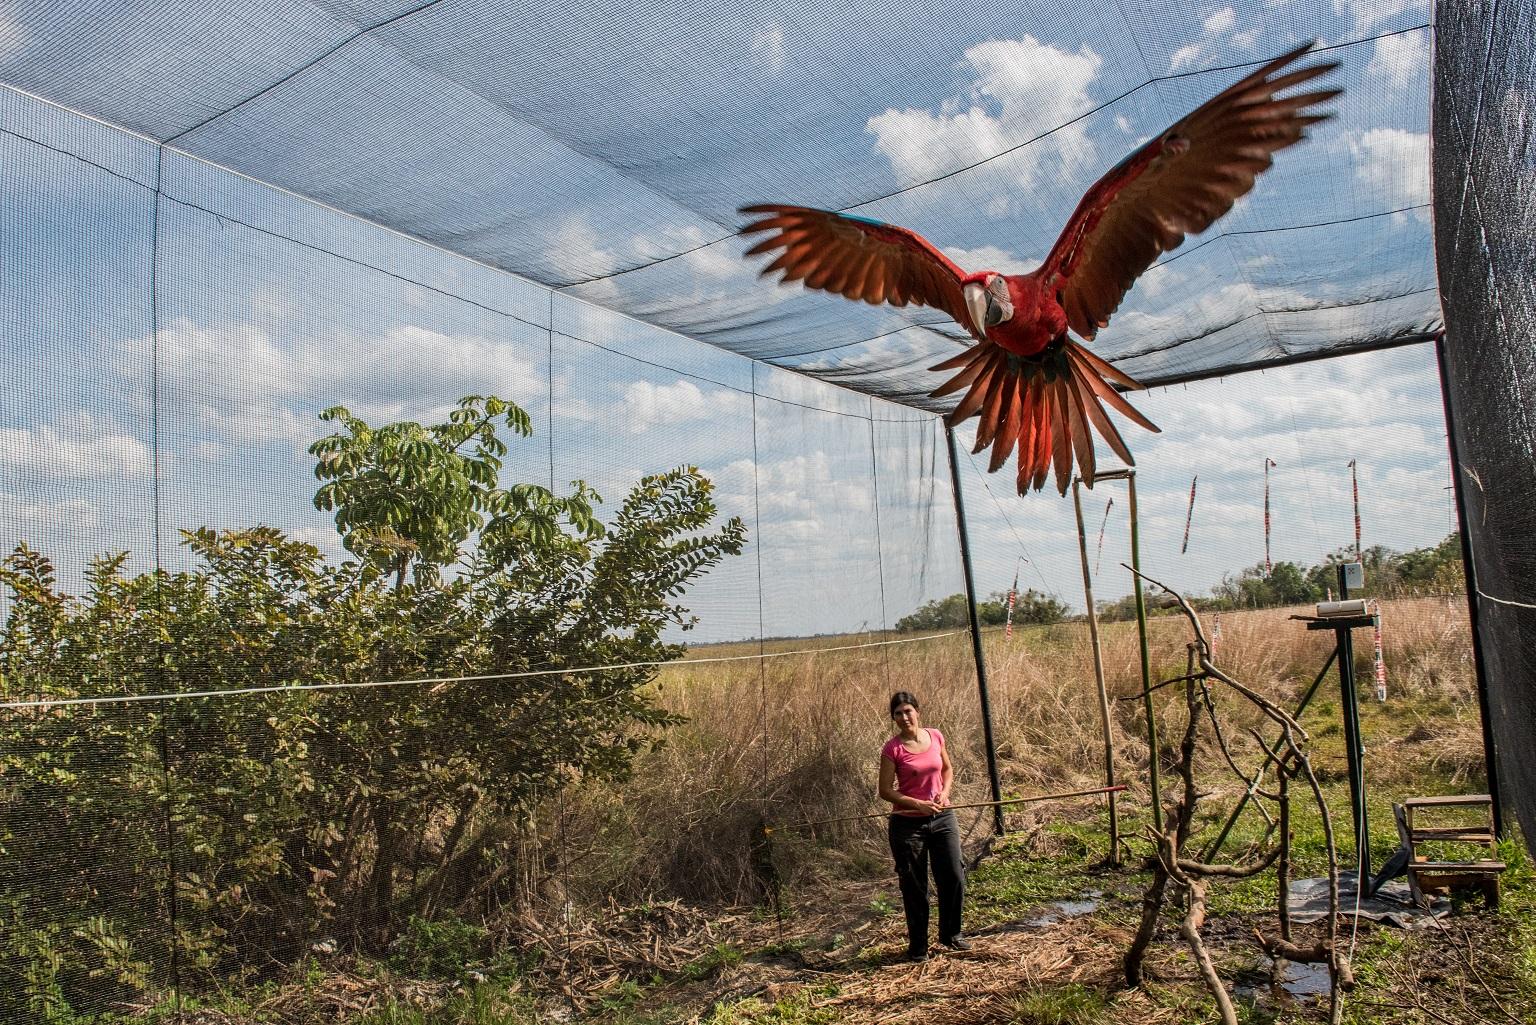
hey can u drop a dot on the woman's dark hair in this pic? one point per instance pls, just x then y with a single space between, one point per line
903 697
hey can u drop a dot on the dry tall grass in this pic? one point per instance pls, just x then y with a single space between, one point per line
785 740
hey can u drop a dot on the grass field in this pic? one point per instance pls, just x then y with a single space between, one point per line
662 904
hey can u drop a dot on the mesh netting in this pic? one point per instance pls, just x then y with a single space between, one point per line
173 329
1483 213
603 149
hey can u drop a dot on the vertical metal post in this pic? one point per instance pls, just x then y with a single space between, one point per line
1146 661
1354 747
1098 675
976 652
1490 752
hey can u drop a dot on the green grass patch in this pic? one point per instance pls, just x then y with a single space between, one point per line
1072 1004
795 1009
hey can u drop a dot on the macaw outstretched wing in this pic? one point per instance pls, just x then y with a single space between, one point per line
858 258
1175 185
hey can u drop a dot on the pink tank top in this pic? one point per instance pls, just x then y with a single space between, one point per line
917 775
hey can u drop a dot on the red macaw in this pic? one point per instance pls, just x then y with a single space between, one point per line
1031 384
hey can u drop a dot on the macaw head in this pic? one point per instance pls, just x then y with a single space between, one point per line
986 296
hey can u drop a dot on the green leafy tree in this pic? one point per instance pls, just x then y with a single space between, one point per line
1285 584
405 494
342 812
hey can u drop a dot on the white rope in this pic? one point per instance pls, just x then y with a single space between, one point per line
1506 601
127 698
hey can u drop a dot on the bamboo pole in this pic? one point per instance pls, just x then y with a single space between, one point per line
1098 675
1146 661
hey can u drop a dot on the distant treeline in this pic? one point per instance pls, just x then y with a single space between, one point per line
1436 569
1029 607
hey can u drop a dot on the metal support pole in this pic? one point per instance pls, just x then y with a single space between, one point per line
1098 675
1490 751
976 652
1146 662
1354 747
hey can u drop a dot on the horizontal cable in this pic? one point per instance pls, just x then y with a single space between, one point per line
1285 227
1176 343
123 699
1001 153
1219 372
296 72
750 391
322 250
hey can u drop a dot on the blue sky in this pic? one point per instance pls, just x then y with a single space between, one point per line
270 309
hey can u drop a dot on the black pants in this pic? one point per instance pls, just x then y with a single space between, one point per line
914 841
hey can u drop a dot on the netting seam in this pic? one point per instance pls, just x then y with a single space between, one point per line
874 477
998 155
1286 227
515 317
757 551
1154 350
23 136
173 911
550 382
742 391
1293 359
295 73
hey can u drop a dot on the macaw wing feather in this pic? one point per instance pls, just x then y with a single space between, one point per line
1177 184
858 258
1048 405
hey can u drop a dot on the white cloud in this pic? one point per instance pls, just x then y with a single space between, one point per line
1155 282
1020 87
244 384
1393 163
1227 303
990 258
580 252
768 44
804 487
1216 38
1184 56
75 513
1401 60
1220 23
1367 14
80 449
647 405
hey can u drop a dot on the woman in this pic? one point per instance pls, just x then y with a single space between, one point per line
915 777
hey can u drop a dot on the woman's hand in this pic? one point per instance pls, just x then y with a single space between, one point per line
930 807
942 800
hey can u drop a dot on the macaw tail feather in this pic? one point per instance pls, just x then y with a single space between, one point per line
1047 405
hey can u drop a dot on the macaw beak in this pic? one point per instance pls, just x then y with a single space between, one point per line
979 303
